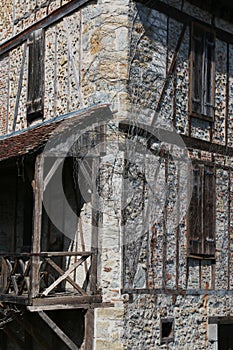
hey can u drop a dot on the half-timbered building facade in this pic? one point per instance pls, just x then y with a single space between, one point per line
116 184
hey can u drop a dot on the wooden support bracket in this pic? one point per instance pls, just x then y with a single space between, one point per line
69 343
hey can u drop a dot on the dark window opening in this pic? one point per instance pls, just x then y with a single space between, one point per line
167 330
202 72
225 336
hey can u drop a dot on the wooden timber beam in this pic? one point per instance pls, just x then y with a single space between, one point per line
37 222
64 276
89 329
61 272
44 23
69 343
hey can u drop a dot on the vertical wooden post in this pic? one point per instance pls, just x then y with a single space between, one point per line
89 330
37 221
94 237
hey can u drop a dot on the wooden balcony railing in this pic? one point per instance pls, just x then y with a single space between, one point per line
60 273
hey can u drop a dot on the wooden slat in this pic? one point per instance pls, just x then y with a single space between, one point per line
195 214
64 276
209 212
69 343
61 272
37 222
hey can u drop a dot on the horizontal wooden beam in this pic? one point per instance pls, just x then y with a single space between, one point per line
44 23
45 254
160 291
14 299
67 300
162 135
68 307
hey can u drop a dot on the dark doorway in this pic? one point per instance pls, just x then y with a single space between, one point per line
225 336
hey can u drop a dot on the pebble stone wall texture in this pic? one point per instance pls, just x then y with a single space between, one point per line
120 53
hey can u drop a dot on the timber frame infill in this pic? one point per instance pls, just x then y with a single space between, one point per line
184 17
24 276
49 20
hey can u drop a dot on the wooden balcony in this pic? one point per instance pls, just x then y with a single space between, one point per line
67 284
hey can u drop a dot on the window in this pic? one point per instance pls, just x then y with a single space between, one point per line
202 72
201 216
35 75
167 330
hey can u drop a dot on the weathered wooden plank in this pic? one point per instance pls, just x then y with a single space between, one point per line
64 276
37 222
89 330
61 272
14 299
68 306
69 343
46 254
65 300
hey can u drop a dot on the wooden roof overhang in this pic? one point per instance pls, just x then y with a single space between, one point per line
34 139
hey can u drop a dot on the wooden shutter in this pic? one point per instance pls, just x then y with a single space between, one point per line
209 212
197 69
208 98
202 71
195 214
201 219
35 75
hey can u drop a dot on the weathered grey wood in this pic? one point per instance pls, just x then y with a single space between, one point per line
35 91
37 222
69 343
67 299
47 254
64 276
61 272
68 306
4 276
89 330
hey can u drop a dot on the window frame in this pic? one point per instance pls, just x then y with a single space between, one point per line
204 29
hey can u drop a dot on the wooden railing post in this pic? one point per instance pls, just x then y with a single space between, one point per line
37 220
